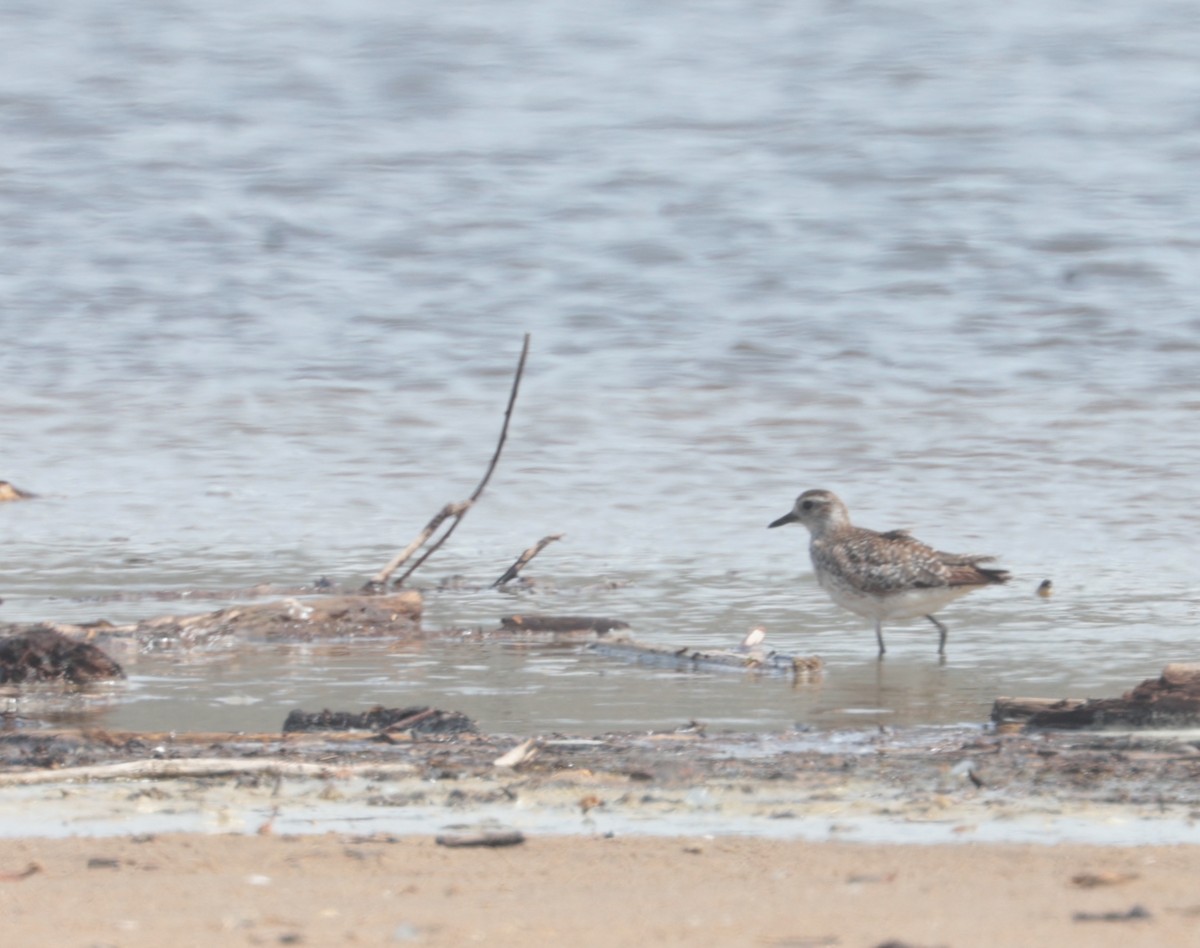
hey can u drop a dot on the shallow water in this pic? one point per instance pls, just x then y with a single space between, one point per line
266 274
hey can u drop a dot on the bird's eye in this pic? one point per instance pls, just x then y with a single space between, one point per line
808 505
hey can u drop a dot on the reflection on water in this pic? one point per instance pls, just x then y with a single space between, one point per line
266 275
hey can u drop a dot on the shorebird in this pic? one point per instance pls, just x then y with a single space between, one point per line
883 575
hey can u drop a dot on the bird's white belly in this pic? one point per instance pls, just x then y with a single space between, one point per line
905 604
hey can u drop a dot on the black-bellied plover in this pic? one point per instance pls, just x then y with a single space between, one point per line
883 575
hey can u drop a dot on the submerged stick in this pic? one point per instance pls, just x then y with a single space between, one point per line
523 560
452 512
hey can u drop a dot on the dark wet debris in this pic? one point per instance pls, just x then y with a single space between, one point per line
419 720
42 654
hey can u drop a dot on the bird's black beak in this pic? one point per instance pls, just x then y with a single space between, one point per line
789 517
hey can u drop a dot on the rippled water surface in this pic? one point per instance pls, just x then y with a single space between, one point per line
265 272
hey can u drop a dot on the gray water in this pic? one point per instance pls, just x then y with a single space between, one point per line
265 270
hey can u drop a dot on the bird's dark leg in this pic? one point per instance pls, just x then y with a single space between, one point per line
941 636
879 636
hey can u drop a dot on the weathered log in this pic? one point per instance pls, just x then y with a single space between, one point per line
42 654
420 720
1170 701
709 659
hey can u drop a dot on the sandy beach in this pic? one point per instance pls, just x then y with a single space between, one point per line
581 890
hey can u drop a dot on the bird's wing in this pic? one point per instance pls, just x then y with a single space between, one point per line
884 562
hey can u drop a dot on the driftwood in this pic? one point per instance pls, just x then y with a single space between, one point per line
421 720
43 654
1170 701
455 511
523 560
697 659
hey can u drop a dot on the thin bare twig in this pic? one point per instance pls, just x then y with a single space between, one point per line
523 560
453 512
404 555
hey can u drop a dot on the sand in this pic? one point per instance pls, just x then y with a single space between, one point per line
586 890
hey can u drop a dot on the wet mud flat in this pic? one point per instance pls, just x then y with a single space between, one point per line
901 787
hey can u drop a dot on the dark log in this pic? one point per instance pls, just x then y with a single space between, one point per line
1170 701
1009 710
